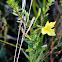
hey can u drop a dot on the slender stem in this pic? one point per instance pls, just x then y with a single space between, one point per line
9 43
23 7
20 47
30 6
52 44
44 3
20 16
17 42
23 36
34 8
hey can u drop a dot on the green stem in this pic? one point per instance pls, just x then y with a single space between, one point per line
44 3
9 43
34 8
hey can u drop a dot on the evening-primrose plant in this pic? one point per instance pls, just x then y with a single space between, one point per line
34 40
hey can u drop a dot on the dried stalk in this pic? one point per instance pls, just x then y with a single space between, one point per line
23 6
17 41
23 36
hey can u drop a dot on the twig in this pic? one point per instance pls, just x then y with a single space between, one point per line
17 41
23 6
30 25
57 53
30 6
20 16
50 51
52 44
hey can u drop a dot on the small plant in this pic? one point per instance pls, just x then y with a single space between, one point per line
33 32
34 40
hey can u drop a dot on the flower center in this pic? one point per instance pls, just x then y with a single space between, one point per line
47 27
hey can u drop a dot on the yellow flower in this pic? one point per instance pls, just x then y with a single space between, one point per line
48 29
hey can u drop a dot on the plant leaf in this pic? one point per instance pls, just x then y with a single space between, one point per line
29 50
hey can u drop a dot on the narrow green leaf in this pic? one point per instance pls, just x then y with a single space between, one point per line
26 55
39 57
37 16
29 50
9 43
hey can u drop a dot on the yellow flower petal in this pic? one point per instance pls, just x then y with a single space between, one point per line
52 24
43 31
47 23
51 33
